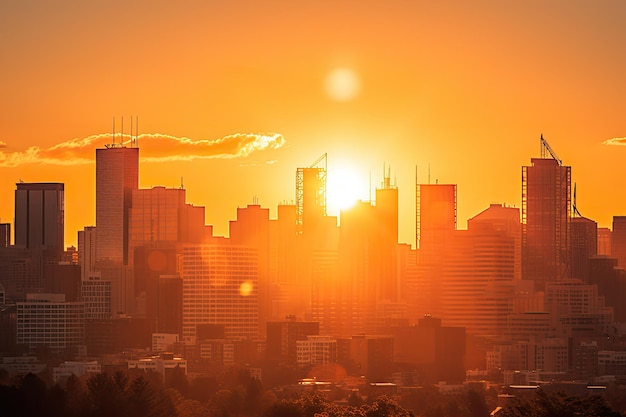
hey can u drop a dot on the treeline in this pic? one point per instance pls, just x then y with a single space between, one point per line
235 393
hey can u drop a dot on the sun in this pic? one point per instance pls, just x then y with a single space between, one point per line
344 187
342 84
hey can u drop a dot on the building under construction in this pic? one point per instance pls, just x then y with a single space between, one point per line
546 200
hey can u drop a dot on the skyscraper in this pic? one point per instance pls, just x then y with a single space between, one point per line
584 245
436 216
39 217
117 172
618 240
117 175
546 196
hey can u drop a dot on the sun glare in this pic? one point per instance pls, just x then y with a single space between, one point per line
342 84
343 189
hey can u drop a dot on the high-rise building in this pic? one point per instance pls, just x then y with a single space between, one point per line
386 250
546 195
618 240
39 218
220 286
436 217
87 251
282 338
584 245
252 229
117 176
117 172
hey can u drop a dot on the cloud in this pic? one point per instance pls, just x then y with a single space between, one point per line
154 147
615 141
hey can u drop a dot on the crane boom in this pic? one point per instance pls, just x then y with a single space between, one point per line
546 149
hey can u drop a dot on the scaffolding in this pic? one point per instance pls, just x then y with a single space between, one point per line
311 192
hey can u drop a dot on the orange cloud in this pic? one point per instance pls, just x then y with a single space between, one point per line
155 147
615 141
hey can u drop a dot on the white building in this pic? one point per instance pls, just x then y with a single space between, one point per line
316 350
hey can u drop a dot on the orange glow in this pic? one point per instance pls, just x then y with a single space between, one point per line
245 289
344 187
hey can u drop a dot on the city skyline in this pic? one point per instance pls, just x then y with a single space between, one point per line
462 92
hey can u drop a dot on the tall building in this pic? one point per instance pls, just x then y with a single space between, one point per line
282 338
220 286
87 251
618 240
546 196
436 217
117 176
39 218
386 252
117 172
584 245
435 225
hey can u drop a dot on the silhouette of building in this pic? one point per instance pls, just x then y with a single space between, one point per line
117 176
546 186
5 235
584 245
39 218
618 240
611 282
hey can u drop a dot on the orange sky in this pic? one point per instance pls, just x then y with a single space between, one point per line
466 87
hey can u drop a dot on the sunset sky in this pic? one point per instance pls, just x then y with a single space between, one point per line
233 96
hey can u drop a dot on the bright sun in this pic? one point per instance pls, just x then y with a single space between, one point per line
342 84
343 188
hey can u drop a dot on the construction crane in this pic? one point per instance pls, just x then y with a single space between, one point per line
547 150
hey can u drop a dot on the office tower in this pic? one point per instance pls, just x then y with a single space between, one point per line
160 220
5 235
584 245
252 229
479 270
39 218
316 350
435 224
117 171
286 293
220 286
618 240
611 282
371 355
87 251
117 176
311 196
604 241
436 217
48 320
386 250
546 186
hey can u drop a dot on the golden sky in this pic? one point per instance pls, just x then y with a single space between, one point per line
233 96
